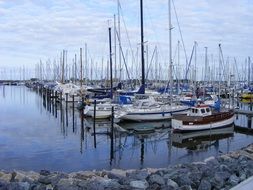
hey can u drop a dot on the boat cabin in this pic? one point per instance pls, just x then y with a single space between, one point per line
200 110
146 104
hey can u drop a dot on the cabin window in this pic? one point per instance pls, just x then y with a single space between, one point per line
207 110
145 104
203 111
193 110
196 111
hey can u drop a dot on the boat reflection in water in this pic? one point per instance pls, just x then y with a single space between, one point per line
201 140
147 137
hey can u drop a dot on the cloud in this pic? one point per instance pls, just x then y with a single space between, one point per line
40 29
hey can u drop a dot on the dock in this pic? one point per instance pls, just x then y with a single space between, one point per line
244 112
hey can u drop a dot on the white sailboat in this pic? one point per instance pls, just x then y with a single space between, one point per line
149 110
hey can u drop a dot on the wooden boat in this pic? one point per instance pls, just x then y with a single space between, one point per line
202 118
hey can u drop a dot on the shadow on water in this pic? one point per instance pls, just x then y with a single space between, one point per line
57 137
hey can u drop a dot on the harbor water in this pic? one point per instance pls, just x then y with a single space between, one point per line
37 134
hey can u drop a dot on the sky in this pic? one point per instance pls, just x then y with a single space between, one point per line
34 30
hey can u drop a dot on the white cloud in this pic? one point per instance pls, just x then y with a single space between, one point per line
34 29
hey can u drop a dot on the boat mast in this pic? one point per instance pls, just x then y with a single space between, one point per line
170 51
142 49
62 74
195 67
115 48
219 69
86 63
81 68
110 51
119 39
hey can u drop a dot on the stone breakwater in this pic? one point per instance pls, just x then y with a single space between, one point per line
222 172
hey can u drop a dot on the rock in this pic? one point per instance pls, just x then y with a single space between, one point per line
219 179
125 181
225 168
172 184
33 175
222 175
212 161
206 170
226 158
66 184
44 180
154 186
44 172
234 180
3 185
56 177
24 185
116 174
111 184
93 185
21 176
155 178
195 177
205 185
171 175
18 186
185 187
182 180
49 187
82 175
138 175
39 187
242 176
139 184
5 177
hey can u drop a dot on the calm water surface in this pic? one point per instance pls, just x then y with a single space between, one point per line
34 137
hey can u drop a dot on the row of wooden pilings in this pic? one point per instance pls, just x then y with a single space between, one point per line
50 100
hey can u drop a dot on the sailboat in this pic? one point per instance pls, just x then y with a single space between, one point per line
149 109
103 110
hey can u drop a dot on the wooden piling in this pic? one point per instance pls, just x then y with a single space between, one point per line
73 113
66 109
55 103
249 121
112 132
94 124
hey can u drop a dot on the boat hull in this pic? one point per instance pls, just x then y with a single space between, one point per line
178 125
101 112
150 116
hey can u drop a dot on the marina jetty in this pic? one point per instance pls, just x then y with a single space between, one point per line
223 172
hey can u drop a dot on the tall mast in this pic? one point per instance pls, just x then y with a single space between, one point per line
249 71
81 68
219 68
206 65
86 63
119 38
62 75
115 48
75 69
170 51
110 51
142 49
195 66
